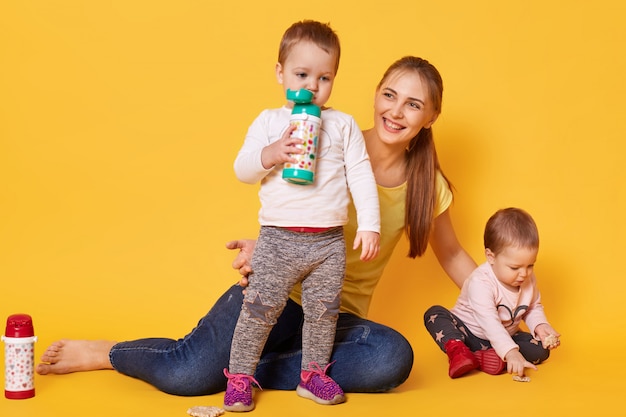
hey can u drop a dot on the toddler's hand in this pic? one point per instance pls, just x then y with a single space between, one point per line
370 244
282 150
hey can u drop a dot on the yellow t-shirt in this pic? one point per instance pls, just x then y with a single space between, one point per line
362 277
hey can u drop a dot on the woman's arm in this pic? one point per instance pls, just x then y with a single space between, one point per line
451 256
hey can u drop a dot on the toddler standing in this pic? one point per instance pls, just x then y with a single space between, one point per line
301 239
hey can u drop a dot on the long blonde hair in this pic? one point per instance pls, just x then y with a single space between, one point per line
421 159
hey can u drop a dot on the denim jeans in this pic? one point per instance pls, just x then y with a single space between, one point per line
369 357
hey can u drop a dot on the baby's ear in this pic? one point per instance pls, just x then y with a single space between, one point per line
491 257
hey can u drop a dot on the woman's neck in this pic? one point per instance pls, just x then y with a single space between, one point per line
388 162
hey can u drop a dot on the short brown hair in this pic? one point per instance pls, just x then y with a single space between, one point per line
321 34
511 227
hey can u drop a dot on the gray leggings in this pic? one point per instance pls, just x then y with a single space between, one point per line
282 259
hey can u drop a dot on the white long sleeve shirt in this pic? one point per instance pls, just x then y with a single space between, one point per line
494 312
342 170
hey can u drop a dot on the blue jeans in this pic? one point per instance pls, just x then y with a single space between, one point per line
369 357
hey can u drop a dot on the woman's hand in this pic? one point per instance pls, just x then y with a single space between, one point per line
242 260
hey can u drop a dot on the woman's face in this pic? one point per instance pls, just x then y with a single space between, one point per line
402 107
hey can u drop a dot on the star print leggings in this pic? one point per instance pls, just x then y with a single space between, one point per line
443 325
283 258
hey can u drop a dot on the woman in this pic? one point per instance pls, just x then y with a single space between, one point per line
414 198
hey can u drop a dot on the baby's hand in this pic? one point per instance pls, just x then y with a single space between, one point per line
551 342
548 336
370 244
282 150
516 364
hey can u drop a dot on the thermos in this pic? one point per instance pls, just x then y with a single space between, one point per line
306 116
19 357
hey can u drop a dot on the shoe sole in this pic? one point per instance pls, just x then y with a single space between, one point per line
239 407
462 370
305 393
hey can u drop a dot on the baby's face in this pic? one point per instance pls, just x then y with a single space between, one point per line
513 265
310 67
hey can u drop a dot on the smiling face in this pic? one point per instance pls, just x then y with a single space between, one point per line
308 66
512 265
402 107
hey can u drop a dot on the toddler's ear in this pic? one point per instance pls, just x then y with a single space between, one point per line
279 73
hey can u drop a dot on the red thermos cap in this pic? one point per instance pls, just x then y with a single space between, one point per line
19 325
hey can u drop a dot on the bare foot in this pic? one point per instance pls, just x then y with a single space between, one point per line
66 356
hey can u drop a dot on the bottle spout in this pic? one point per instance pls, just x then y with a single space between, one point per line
301 96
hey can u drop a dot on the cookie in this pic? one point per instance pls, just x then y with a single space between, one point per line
550 341
205 411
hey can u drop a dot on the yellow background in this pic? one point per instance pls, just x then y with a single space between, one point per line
120 121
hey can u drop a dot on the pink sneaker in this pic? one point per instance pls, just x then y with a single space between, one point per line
490 362
238 396
319 387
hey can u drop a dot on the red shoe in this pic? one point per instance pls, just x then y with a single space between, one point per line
490 362
460 358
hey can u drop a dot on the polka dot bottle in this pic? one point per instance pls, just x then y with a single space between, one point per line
19 357
306 116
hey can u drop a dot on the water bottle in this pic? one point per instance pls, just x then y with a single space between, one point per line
306 116
19 357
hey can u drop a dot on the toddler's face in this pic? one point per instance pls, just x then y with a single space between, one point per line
513 265
310 67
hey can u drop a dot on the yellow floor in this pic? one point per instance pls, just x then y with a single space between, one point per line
565 385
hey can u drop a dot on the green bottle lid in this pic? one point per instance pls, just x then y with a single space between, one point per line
303 102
